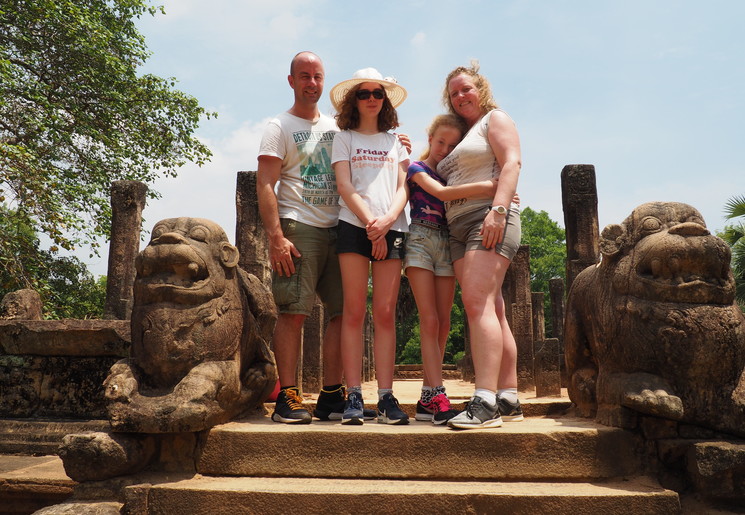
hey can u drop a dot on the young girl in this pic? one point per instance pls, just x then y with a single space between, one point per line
428 265
370 165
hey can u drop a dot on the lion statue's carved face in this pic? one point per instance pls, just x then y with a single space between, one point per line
664 252
186 262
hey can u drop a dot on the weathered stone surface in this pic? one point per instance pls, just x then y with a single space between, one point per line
547 368
654 328
520 315
83 508
250 237
579 197
65 337
127 203
200 332
717 470
21 305
56 368
94 455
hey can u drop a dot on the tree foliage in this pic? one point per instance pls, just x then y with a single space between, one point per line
547 242
66 287
548 253
76 116
734 235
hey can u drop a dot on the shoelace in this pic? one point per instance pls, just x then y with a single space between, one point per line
441 403
355 402
293 399
471 405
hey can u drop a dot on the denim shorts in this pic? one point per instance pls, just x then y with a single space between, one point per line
428 248
354 239
464 234
316 271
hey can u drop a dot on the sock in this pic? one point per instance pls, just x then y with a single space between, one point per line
427 394
438 390
383 391
508 394
354 389
331 388
488 396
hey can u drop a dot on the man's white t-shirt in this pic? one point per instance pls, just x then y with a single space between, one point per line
307 184
374 164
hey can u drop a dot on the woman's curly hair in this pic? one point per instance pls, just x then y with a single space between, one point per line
486 101
348 116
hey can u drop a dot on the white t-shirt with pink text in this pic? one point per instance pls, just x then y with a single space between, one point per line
374 164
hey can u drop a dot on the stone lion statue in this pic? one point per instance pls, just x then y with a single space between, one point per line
200 353
201 328
654 329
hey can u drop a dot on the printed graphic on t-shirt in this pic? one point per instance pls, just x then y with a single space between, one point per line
365 156
450 169
319 181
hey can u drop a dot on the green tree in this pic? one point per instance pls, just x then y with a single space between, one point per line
76 116
66 287
548 253
734 235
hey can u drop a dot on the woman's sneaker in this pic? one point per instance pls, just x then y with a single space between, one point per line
425 411
289 408
389 411
331 406
510 412
354 410
442 410
477 415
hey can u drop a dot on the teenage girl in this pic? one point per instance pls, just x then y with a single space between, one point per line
370 165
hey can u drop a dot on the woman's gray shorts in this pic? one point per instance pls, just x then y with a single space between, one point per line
464 234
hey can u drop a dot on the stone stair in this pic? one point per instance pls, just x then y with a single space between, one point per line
39 437
549 463
541 465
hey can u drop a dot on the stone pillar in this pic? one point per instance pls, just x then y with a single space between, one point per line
538 316
313 332
547 368
546 352
522 316
250 237
127 203
580 200
558 310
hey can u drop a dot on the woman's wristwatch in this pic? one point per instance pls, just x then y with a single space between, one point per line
501 210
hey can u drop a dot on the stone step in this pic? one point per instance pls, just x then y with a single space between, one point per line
536 449
281 495
539 408
40 436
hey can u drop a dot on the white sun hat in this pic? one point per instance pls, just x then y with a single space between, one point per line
395 93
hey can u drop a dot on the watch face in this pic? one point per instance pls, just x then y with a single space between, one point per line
501 210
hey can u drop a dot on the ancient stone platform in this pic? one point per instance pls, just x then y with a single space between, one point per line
545 464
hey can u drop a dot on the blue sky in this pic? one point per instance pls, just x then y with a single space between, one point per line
650 92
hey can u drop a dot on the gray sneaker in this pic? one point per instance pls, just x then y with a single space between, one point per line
478 414
510 412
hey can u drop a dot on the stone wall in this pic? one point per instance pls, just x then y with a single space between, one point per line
56 368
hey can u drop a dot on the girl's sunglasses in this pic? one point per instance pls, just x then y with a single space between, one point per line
364 94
